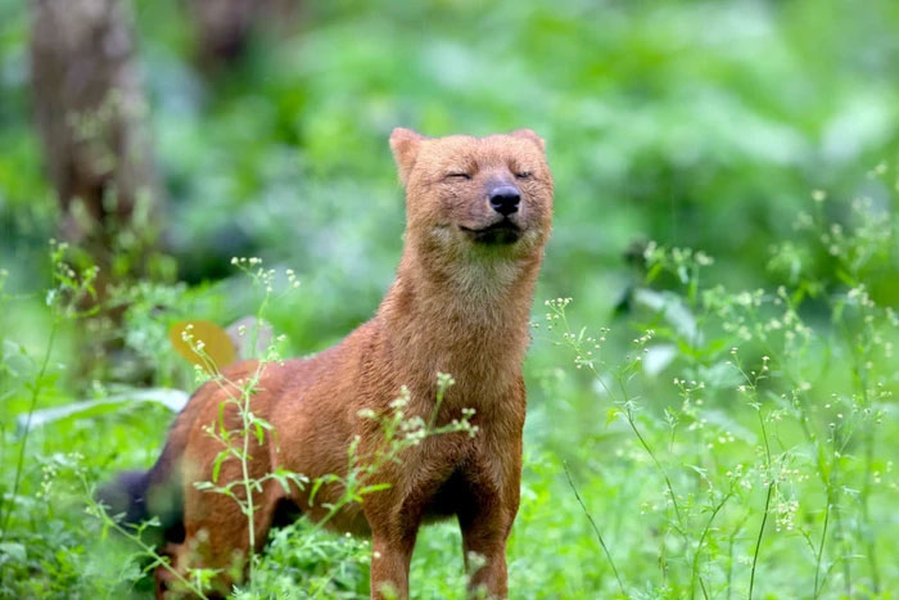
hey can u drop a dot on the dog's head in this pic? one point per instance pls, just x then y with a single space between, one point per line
489 196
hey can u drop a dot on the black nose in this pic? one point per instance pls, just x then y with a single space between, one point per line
505 199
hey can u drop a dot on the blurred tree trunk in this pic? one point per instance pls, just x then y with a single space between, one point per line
90 112
223 27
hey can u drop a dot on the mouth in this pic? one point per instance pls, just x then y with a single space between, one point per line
500 233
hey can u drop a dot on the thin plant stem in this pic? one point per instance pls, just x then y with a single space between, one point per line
731 541
595 529
828 480
626 402
702 537
840 535
860 380
871 541
35 396
658 466
136 538
758 542
821 547
247 482
628 416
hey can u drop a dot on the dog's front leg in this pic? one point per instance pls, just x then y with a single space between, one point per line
486 521
484 543
391 555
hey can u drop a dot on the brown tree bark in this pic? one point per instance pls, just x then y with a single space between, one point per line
90 112
223 27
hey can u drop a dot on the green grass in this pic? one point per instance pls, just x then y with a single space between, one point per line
754 460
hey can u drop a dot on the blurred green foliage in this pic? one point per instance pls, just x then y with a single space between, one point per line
702 124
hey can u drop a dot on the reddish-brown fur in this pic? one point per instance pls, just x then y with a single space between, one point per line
460 305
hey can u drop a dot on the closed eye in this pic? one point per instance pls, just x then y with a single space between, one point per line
458 175
523 175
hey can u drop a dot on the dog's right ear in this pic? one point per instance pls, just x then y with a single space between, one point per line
405 144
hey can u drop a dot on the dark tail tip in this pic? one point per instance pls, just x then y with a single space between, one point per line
126 495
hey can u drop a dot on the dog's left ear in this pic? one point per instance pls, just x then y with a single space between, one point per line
530 135
405 144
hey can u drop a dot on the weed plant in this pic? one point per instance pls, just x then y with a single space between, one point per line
757 352
729 443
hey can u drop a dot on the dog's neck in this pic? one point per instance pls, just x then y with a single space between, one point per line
468 320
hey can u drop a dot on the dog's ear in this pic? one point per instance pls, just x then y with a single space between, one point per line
530 135
405 144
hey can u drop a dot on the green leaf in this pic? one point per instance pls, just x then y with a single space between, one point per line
315 487
282 479
373 488
217 465
612 415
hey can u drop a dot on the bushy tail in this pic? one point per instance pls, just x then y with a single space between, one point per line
134 497
126 495
157 493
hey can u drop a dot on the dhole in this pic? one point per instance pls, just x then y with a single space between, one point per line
478 216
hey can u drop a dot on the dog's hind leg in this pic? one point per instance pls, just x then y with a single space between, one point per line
217 533
217 537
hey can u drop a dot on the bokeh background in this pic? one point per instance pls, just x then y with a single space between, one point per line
701 124
264 133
